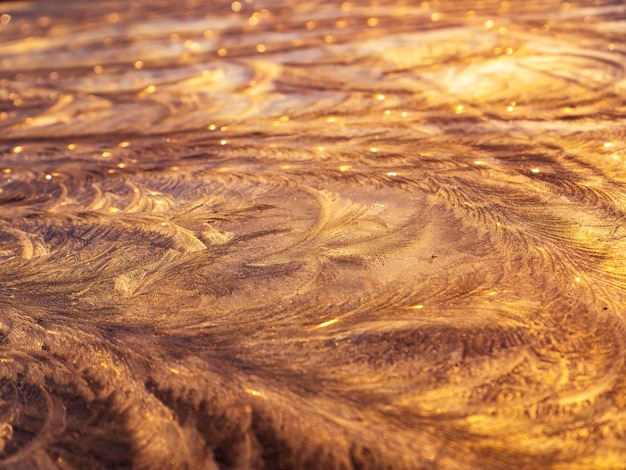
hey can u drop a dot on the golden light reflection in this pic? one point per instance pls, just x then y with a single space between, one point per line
368 214
328 323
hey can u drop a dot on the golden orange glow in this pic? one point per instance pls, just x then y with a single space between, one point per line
262 234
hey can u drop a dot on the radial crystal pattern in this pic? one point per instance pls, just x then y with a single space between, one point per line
280 234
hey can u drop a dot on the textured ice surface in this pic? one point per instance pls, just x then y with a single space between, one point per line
277 234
